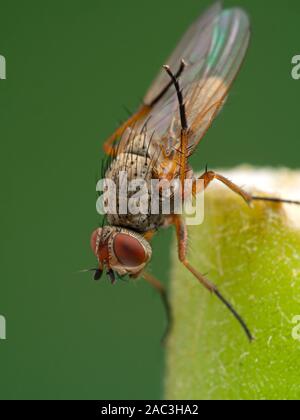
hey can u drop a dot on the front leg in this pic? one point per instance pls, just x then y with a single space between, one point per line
182 237
184 139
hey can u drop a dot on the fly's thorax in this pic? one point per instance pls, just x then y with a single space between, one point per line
139 162
132 174
141 223
142 200
133 165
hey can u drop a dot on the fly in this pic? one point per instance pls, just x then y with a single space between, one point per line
158 140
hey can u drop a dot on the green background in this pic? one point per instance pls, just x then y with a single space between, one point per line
71 66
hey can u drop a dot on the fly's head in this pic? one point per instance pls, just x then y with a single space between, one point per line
120 251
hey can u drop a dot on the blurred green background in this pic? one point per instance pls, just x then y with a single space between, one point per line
71 67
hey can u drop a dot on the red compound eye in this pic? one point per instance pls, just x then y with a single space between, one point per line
129 251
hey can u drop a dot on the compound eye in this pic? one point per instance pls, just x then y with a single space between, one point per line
129 251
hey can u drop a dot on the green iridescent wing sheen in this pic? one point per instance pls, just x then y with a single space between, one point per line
213 48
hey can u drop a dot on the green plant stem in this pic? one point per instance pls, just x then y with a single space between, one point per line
253 256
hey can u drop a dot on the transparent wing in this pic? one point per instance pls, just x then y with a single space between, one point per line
194 45
213 48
